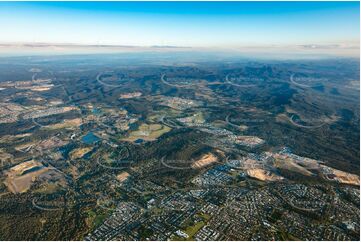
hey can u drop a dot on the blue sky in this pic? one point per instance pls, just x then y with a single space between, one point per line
194 24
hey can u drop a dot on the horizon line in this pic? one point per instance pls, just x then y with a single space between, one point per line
72 44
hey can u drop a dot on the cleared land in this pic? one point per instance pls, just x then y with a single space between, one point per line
147 132
123 176
80 152
263 175
205 160
66 124
20 178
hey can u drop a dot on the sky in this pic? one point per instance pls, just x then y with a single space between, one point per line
182 24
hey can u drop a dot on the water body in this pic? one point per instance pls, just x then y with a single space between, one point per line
139 141
90 138
96 111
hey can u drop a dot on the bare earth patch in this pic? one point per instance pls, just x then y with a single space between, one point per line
66 124
340 176
205 160
80 152
250 141
264 175
20 178
148 132
123 176
130 95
